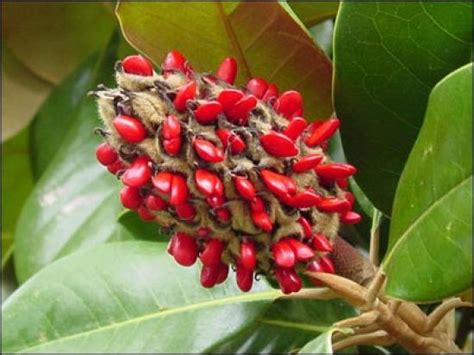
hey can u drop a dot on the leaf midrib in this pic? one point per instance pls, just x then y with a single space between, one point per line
265 295
421 217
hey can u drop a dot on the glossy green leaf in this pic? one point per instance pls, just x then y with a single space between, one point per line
17 183
388 56
139 229
52 38
291 325
430 250
262 36
126 297
75 203
314 12
323 343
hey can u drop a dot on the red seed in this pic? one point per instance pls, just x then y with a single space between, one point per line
145 214
129 128
212 252
130 197
174 61
257 87
262 220
215 201
237 144
334 171
257 205
227 70
278 145
283 254
115 167
322 243
205 181
296 126
244 277
172 146
185 211
139 173
271 93
162 182
222 214
209 275
288 280
207 112
305 199
185 93
207 151
155 203
179 191
185 249
349 197
307 229
137 65
244 187
171 127
289 104
238 114
342 183
323 132
281 185
223 272
171 245
301 250
106 154
306 163
314 266
332 204
203 232
229 97
248 255
327 264
350 217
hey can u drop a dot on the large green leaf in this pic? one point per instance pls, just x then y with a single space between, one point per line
291 324
52 38
314 12
430 249
125 297
75 203
262 36
17 183
388 56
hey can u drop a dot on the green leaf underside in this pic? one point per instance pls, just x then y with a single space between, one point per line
388 57
126 297
292 323
313 12
75 203
323 343
263 37
430 247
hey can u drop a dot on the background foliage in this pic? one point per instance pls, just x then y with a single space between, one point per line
396 74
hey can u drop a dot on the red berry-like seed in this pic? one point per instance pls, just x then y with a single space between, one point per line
349 196
212 252
207 112
223 272
257 205
283 254
223 215
288 280
314 266
323 132
271 93
335 171
342 183
129 128
321 243
209 275
187 92
139 173
257 87
162 182
306 163
327 264
185 212
207 151
331 204
295 128
174 61
229 97
289 104
215 201
145 214
106 154
155 203
115 167
172 146
350 217
280 185
278 145
179 191
137 65
301 250
262 220
305 199
130 197
244 277
307 229
238 114
205 182
245 188
248 255
227 70
171 127
237 144
185 250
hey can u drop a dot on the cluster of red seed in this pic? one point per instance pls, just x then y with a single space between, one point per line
203 157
